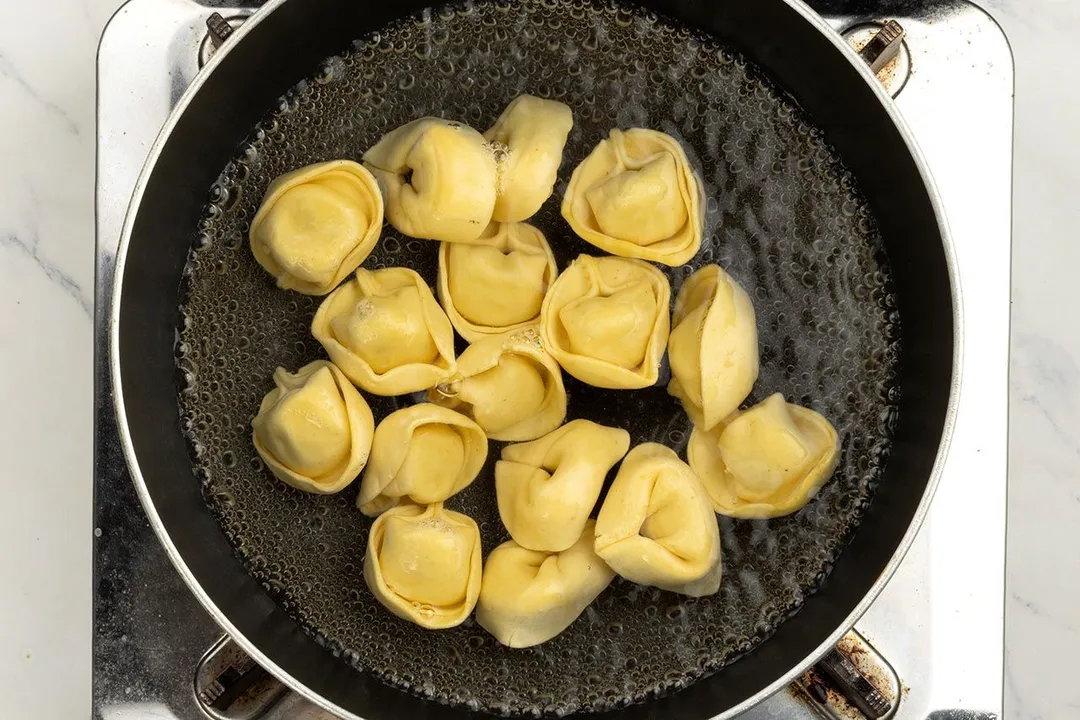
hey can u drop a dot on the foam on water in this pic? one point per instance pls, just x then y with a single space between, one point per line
783 217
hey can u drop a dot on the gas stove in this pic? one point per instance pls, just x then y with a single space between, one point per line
931 646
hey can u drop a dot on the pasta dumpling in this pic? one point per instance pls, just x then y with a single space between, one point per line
606 321
528 597
386 332
531 134
713 347
439 179
547 488
498 286
423 563
422 454
767 461
313 430
509 385
656 526
636 195
316 225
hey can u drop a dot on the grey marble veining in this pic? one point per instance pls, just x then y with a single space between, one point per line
46 288
1043 573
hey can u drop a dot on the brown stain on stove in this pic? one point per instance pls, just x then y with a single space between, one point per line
814 684
863 660
887 74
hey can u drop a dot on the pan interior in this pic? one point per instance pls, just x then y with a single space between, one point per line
783 217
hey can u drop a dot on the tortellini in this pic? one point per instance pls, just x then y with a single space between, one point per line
636 195
498 286
423 454
316 225
547 488
713 348
313 430
529 597
386 332
532 133
765 462
509 385
606 321
657 527
439 179
423 563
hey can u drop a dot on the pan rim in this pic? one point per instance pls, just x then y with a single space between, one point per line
161 531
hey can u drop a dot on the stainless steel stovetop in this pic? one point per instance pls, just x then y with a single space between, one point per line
932 643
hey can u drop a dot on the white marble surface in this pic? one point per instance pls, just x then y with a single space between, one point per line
46 293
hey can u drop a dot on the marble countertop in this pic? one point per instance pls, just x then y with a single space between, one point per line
47 99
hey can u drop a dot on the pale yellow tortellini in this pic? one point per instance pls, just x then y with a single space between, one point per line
713 348
421 454
528 597
313 430
509 385
423 563
606 320
547 488
767 461
439 179
636 195
317 224
386 332
498 286
657 527
530 136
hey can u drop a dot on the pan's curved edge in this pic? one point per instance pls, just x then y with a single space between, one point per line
815 21
118 387
893 111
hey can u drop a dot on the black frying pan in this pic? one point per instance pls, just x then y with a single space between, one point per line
817 206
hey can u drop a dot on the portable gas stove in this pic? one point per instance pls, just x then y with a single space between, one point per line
931 646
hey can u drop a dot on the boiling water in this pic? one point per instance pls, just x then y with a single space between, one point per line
783 217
